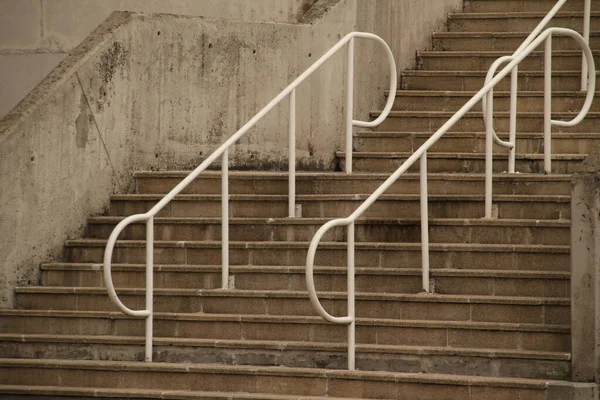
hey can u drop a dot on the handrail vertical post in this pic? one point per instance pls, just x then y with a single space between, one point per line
512 136
587 16
489 150
292 157
349 106
351 299
225 220
548 105
149 287
424 223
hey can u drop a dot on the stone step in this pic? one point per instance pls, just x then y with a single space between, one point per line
201 381
531 122
492 41
473 81
442 230
562 143
542 298
480 362
292 278
430 100
562 60
462 162
517 21
485 6
328 206
435 333
387 255
259 183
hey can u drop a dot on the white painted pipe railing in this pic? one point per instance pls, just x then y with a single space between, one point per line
488 107
421 154
223 153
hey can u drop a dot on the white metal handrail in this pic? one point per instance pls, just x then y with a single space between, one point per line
488 107
421 153
223 152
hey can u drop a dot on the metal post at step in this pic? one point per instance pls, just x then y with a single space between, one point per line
349 106
351 299
292 157
149 287
548 106
225 220
424 223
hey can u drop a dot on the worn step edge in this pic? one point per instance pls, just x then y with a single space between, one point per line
280 294
483 74
496 35
463 156
316 176
285 345
286 319
376 376
341 197
467 247
518 14
496 222
319 270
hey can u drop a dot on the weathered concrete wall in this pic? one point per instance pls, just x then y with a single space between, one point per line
166 91
35 35
585 270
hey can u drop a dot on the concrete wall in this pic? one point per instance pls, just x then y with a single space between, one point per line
585 270
165 92
35 35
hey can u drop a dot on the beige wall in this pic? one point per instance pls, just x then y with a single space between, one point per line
166 91
35 35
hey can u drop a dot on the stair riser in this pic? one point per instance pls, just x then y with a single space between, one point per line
388 232
561 144
476 124
534 62
358 185
256 383
454 103
516 24
522 6
477 312
456 165
316 332
332 359
489 43
538 261
475 83
449 208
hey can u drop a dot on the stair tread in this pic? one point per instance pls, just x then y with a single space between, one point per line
494 53
237 293
471 93
477 34
445 272
441 155
278 371
483 74
286 345
86 242
335 197
481 135
363 220
517 14
479 114
288 319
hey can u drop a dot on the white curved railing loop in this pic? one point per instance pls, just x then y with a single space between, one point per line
420 153
488 111
223 151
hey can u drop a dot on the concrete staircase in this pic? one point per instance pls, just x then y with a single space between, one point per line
497 325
